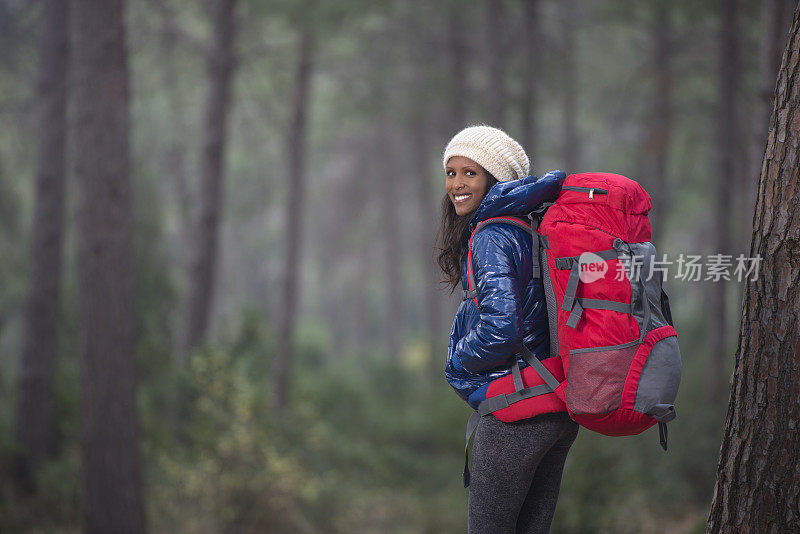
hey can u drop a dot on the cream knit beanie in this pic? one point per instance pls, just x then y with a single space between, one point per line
492 149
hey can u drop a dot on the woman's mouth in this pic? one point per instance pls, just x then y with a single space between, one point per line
461 197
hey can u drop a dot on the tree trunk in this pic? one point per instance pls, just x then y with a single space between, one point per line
426 198
220 64
758 482
175 161
776 17
569 90
175 156
176 172
661 115
34 425
727 139
296 150
533 54
112 479
459 88
358 245
390 242
496 63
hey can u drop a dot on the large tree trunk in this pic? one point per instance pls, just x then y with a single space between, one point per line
533 54
220 64
296 150
496 62
112 479
758 481
776 16
661 114
727 139
34 425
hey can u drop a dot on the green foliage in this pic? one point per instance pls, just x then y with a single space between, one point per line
345 456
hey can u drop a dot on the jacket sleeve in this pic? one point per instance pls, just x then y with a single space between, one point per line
498 335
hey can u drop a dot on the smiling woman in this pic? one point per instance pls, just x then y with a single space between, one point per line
462 175
517 465
466 184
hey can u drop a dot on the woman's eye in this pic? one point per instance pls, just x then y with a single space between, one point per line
470 173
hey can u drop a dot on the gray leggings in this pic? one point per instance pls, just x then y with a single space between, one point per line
516 473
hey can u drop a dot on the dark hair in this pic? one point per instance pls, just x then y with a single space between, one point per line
452 238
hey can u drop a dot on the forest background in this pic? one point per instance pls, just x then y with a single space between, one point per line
286 180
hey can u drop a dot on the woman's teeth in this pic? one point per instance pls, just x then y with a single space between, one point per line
460 198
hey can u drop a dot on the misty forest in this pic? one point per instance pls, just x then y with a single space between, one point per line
220 306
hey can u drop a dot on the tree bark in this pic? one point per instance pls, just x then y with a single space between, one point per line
758 481
34 426
112 479
296 150
220 65
776 16
727 139
661 118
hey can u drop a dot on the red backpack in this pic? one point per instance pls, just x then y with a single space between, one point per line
610 321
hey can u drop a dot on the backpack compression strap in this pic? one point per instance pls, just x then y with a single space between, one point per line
498 402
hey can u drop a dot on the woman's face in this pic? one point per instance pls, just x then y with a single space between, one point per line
466 184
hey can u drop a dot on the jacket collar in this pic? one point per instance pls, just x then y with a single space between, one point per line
518 197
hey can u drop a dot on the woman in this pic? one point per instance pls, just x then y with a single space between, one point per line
517 466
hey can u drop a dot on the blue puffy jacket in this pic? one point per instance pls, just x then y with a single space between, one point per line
512 304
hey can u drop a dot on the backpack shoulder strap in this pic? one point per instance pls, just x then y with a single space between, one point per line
472 292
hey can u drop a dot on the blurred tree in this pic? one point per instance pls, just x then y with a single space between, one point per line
112 478
418 128
533 50
758 481
459 82
220 65
570 149
34 425
357 247
390 242
726 151
658 141
495 89
426 198
176 149
296 139
175 157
